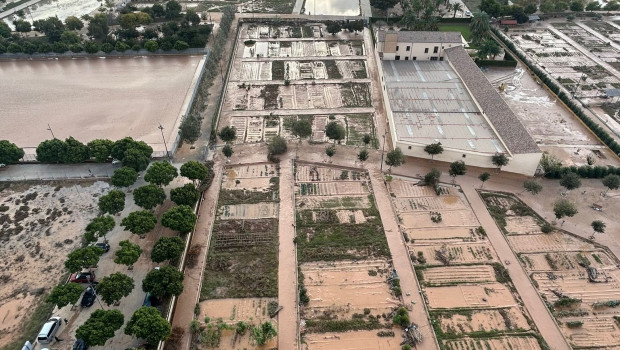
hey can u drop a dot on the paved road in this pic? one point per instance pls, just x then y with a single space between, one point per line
17 8
287 259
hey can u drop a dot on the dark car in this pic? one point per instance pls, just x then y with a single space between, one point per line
104 246
89 297
79 345
83 277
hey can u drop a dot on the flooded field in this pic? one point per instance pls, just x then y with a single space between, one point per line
578 279
333 7
94 98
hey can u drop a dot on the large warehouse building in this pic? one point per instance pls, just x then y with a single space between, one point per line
446 98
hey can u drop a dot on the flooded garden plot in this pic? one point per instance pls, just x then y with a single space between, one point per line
468 292
579 280
605 29
295 30
592 43
38 228
347 287
239 288
300 70
260 50
263 128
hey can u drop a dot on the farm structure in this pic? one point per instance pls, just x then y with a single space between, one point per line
239 289
579 280
289 72
471 299
347 286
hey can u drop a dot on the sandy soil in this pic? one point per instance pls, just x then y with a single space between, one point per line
485 320
459 274
251 184
39 228
546 243
94 98
362 340
504 343
480 295
459 252
333 202
348 288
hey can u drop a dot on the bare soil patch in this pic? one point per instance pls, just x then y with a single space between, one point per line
470 296
351 340
503 343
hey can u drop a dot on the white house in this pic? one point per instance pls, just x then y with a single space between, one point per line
415 46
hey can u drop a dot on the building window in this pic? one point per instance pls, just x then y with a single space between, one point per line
434 58
398 58
408 48
426 50
441 58
436 49
406 58
464 155
396 47
414 58
409 147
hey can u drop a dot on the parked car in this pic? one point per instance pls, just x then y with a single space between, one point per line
116 161
102 245
468 13
2 165
83 277
79 345
150 300
88 299
49 329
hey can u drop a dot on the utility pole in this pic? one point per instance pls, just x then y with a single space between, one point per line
161 128
49 128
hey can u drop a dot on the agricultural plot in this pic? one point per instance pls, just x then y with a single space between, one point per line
579 280
591 42
284 73
347 287
263 128
605 29
468 292
241 271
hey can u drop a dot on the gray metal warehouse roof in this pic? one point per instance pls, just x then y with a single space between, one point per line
508 126
423 37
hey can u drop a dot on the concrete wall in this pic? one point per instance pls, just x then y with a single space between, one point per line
416 51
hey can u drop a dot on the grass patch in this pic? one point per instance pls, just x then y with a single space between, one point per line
326 323
358 125
332 70
457 27
355 94
277 70
228 197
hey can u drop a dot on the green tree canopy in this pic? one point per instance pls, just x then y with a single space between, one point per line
135 159
98 27
51 151
499 160
148 324
563 207
383 4
151 45
532 186
263 332
334 27
194 170
123 145
479 27
362 156
488 47
433 149
83 258
335 131
192 17
457 168
124 177
98 227
163 282
65 294
149 196
593 6
161 173
113 202
173 9
395 158
139 222
484 177
10 153
114 287
75 151
167 248
277 145
185 195
302 128
181 218
570 181
227 151
100 327
432 178
74 23
576 6
128 254
100 149
228 134
190 127
330 150
598 226
611 181
366 139
401 317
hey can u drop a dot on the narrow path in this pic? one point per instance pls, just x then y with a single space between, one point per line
402 263
314 111
298 6
287 259
17 8
532 300
184 311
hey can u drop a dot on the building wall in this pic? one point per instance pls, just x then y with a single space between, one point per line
415 52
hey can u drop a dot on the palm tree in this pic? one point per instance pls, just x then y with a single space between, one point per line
456 7
479 27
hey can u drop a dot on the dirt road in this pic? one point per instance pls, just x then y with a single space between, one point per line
287 259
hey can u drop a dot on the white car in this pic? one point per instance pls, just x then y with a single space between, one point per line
116 161
468 13
2 165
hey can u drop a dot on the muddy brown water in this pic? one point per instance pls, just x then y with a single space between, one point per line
93 98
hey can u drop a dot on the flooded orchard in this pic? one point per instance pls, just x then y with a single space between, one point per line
94 98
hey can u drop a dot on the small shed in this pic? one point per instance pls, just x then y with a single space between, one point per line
612 93
533 18
508 22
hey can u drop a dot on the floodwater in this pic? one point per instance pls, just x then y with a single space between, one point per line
333 7
94 98
59 8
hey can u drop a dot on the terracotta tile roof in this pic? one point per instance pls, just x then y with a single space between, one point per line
505 122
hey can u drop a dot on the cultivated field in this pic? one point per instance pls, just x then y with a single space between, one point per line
39 227
579 280
468 292
348 291
239 289
290 72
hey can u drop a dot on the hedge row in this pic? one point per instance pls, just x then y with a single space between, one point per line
555 87
585 171
493 63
